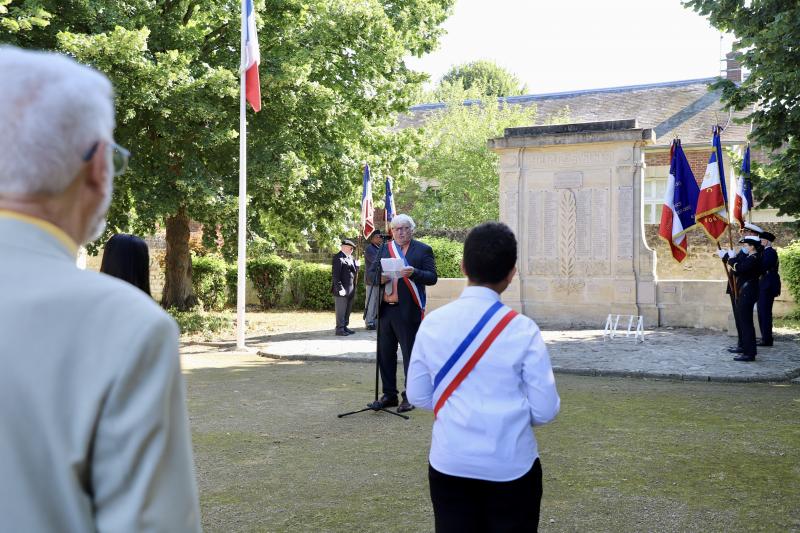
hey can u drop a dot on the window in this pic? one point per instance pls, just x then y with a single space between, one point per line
654 190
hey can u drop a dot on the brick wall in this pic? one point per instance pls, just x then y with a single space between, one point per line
698 161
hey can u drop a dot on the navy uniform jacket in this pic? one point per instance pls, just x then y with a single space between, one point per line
746 268
770 282
343 272
419 256
370 255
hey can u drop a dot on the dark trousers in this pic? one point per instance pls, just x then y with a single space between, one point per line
343 305
738 325
394 328
371 304
465 505
765 316
748 296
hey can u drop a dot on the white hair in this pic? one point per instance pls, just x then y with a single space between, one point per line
53 110
403 219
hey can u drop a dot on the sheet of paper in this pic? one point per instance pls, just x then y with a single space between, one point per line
391 267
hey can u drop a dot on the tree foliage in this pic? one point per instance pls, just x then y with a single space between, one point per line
767 34
487 77
332 73
457 171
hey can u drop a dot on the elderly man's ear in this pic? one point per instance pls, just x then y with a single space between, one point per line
98 178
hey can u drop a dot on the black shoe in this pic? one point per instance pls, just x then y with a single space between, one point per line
370 326
405 407
762 343
736 350
342 334
384 402
745 358
349 331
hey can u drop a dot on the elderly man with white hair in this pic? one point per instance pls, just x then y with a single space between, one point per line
402 307
92 409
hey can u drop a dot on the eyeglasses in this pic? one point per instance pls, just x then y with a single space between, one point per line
401 229
119 156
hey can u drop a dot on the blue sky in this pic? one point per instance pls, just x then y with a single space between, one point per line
567 45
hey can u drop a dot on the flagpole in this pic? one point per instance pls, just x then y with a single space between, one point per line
242 252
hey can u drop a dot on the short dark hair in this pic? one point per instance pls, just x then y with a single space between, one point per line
126 257
490 252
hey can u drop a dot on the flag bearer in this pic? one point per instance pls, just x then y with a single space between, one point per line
769 287
746 268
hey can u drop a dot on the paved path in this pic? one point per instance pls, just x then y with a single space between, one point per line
684 354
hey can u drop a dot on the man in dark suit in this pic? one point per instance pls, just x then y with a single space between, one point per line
769 286
344 272
402 306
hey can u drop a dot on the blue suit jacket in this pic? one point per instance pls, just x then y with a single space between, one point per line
770 282
419 256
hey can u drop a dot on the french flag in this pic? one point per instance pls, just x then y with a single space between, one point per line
367 222
252 58
712 211
744 191
389 201
680 201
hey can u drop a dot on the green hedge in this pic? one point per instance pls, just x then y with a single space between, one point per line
790 270
231 281
208 281
200 322
310 285
448 256
268 275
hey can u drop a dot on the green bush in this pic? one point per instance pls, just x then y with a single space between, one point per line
268 275
231 280
448 256
208 281
789 257
310 285
200 322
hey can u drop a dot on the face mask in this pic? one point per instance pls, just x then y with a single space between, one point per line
745 249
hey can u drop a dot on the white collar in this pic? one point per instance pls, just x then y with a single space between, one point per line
483 293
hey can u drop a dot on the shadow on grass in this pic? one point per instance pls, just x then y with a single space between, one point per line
623 455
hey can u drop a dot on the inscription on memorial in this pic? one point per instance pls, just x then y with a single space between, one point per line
535 243
600 235
583 233
549 229
625 223
573 159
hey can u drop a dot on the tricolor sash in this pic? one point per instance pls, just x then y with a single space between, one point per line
419 298
445 389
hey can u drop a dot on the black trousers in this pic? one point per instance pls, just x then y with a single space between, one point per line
748 296
765 315
394 328
465 505
343 306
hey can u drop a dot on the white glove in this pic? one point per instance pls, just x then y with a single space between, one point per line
342 292
722 253
731 254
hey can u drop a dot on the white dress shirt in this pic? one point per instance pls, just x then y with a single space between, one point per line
483 431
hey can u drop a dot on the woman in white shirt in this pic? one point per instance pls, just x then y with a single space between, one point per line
485 372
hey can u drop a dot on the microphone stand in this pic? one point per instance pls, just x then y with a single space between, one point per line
376 282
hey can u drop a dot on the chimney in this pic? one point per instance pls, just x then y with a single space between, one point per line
733 68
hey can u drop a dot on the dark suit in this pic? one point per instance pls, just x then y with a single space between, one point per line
747 270
769 286
398 324
344 270
373 291
739 256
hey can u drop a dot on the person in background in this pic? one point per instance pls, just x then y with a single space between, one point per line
749 230
402 307
769 287
373 289
746 267
485 372
344 271
95 434
126 257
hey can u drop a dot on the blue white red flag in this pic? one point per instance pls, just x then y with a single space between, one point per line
367 221
390 211
712 210
252 58
680 203
743 202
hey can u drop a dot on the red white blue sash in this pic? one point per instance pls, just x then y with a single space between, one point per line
451 375
419 298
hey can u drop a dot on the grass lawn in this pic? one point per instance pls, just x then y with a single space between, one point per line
623 455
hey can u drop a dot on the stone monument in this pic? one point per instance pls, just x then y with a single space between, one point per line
572 193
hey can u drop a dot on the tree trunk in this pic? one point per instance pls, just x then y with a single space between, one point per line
178 290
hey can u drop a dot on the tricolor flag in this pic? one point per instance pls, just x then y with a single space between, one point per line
390 211
367 222
712 211
252 58
744 191
680 202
